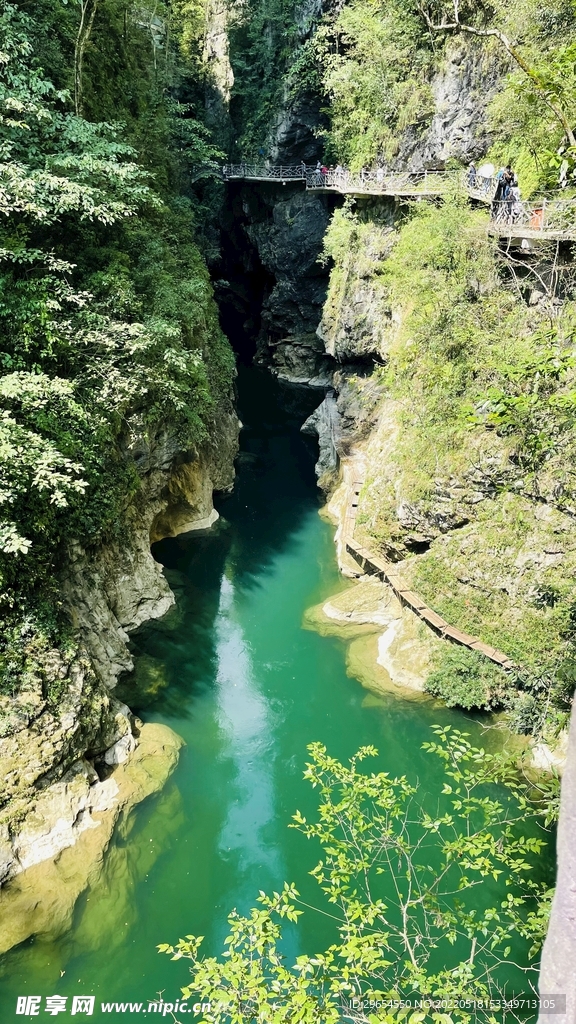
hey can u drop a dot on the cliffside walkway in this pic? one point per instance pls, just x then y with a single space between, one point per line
367 183
544 219
386 571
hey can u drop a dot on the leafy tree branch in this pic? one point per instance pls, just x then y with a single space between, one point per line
453 23
401 884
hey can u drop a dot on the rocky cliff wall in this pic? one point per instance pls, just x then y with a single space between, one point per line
458 129
557 975
275 277
57 757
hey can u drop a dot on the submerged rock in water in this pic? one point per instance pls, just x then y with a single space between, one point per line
397 659
62 848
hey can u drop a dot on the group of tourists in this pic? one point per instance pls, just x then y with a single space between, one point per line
501 190
506 200
321 173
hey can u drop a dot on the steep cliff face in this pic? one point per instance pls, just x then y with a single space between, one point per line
305 331
461 90
110 592
56 758
220 77
288 235
61 845
271 241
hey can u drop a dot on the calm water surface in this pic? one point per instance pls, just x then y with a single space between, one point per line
234 673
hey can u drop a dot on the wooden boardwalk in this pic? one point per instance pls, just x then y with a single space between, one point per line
387 572
539 220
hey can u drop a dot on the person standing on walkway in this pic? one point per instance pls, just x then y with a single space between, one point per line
514 203
504 180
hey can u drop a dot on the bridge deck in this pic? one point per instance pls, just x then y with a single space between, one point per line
521 231
400 193
543 220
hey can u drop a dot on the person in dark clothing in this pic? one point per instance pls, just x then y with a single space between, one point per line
505 178
513 203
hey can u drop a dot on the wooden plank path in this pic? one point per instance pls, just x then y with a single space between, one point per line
540 220
386 571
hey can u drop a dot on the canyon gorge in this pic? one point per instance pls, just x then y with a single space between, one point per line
212 389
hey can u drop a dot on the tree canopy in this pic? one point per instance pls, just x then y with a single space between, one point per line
106 311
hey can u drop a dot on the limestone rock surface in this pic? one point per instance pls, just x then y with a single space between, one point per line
63 844
53 747
389 650
461 91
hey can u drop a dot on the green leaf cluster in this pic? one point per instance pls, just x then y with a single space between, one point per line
401 885
108 325
375 78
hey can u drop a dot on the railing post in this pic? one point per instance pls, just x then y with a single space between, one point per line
544 212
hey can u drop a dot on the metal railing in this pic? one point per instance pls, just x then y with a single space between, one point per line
343 180
260 172
380 183
480 187
556 218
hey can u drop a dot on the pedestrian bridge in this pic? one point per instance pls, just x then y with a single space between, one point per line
366 183
540 220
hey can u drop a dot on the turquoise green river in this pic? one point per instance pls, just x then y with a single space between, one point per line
235 674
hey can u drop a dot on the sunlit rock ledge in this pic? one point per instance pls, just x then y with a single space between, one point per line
389 649
62 847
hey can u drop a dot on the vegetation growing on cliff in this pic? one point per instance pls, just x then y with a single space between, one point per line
108 324
266 56
472 464
369 66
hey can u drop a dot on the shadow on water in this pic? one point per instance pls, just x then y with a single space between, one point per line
248 689
275 490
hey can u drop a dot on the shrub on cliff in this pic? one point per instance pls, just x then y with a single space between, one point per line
465 679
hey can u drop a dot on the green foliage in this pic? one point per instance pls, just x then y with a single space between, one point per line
527 133
465 679
476 442
402 887
109 328
264 37
536 400
375 79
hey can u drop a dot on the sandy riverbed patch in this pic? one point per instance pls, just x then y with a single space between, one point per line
389 648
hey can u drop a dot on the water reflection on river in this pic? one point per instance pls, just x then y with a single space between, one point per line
232 671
